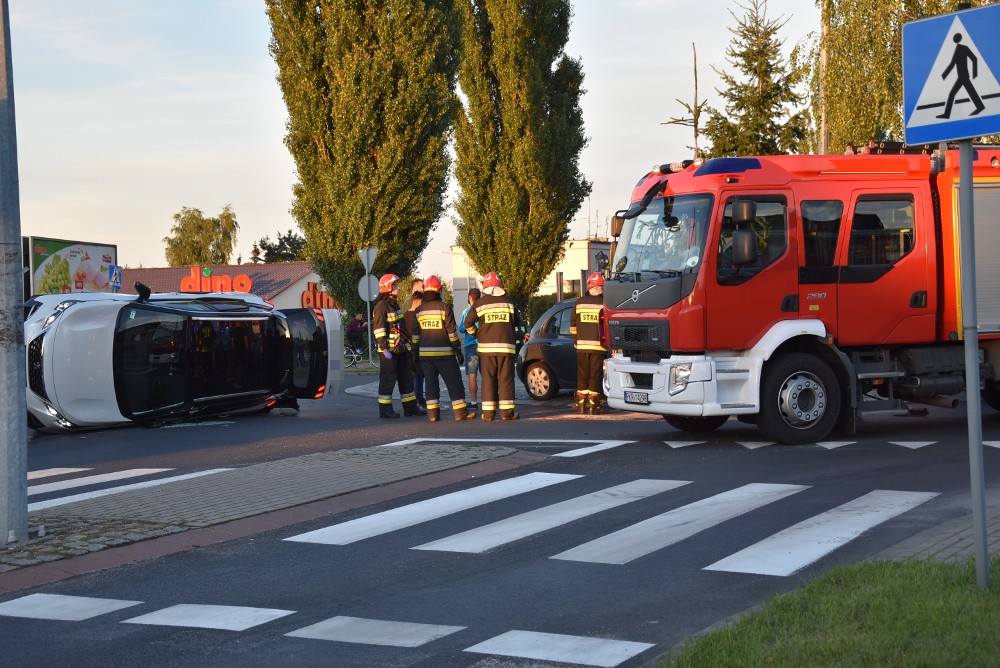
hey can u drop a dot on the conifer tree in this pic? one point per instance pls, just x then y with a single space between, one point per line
369 88
762 114
518 139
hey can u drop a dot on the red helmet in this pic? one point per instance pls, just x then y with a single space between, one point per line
491 280
432 284
387 283
595 280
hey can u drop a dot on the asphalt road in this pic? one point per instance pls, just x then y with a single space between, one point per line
555 587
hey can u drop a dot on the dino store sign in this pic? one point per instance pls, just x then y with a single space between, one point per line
202 280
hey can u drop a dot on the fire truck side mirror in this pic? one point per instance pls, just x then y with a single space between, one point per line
744 212
617 223
744 247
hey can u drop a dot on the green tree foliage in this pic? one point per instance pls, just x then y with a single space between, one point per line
290 247
862 87
518 139
369 88
762 107
197 240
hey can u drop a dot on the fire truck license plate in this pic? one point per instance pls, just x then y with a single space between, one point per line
636 398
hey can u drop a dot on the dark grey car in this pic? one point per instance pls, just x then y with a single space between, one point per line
547 362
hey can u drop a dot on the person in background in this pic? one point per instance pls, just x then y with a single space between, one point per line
436 337
470 347
497 323
585 326
393 342
356 330
416 299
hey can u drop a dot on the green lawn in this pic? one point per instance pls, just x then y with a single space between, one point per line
881 613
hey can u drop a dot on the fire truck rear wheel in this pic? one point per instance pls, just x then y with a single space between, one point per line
696 424
799 400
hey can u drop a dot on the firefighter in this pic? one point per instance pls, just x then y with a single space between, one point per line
498 321
393 344
440 352
585 326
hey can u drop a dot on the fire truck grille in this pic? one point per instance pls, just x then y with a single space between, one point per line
647 358
644 381
36 379
640 337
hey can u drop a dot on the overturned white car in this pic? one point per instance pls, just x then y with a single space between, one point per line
102 359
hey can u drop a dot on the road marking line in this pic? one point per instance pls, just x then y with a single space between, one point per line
431 509
375 632
60 607
753 445
683 444
579 650
42 505
671 527
913 445
992 444
91 480
579 452
798 546
493 535
48 473
830 445
222 617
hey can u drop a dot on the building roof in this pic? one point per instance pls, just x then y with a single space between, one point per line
267 280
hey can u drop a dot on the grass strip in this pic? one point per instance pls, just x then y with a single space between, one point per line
877 613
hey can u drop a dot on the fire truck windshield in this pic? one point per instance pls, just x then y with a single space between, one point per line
667 238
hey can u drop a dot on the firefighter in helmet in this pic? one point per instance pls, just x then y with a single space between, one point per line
436 338
393 342
585 326
498 321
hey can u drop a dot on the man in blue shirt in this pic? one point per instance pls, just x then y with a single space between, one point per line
471 350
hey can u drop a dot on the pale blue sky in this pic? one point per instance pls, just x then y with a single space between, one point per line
128 110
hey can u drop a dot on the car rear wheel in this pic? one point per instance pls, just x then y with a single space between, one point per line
540 383
696 424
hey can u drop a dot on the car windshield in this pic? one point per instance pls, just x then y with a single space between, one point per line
164 359
667 238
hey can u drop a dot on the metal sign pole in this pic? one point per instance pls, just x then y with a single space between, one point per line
970 332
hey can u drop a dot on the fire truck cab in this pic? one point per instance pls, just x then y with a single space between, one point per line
801 293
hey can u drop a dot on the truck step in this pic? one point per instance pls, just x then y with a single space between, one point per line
883 407
879 370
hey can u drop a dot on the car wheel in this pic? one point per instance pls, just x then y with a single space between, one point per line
799 400
540 383
696 423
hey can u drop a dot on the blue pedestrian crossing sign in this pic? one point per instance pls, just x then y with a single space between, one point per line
950 68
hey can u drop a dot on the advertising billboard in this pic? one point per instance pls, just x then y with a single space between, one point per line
59 266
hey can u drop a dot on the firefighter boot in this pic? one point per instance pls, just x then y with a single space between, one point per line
433 414
411 409
508 414
488 416
594 404
385 411
581 403
464 414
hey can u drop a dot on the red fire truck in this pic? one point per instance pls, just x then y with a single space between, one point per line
800 293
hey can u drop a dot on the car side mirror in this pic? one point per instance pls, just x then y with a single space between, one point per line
744 247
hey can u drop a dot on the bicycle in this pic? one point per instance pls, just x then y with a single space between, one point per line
355 356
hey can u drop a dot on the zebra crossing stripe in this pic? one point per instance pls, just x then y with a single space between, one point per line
493 535
671 527
374 632
992 444
91 480
221 617
62 608
61 501
798 546
431 509
48 473
579 650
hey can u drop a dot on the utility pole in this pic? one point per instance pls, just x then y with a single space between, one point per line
824 64
13 432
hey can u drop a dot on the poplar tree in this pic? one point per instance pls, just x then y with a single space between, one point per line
763 106
518 139
369 87
862 82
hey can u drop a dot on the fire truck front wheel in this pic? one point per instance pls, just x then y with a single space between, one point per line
799 401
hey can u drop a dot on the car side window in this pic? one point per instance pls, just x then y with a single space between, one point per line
565 321
881 230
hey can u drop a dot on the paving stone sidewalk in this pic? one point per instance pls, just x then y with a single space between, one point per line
83 527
